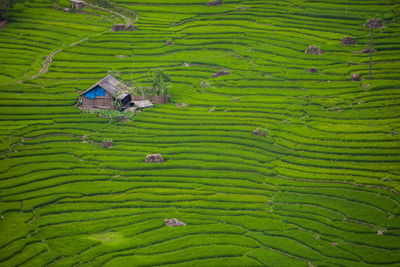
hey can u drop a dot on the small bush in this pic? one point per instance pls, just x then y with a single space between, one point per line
241 8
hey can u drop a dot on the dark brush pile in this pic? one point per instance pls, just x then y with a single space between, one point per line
174 223
123 27
107 144
214 3
374 23
356 77
259 132
154 158
314 50
348 41
220 73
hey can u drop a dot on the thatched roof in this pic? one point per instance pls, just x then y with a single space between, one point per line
143 104
112 86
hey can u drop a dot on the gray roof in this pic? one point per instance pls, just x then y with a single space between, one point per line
76 1
111 85
143 104
122 96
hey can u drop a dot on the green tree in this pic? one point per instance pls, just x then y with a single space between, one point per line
5 5
117 102
159 81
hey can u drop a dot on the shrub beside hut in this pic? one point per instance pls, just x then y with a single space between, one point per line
158 93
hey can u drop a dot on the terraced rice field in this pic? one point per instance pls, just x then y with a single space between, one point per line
321 189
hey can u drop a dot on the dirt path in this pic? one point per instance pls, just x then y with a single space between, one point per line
49 59
46 63
125 18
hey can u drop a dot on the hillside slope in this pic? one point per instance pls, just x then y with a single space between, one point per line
320 189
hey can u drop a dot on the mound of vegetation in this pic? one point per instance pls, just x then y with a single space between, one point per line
284 162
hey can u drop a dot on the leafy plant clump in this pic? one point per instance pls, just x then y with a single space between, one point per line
159 80
117 103
138 90
159 85
112 115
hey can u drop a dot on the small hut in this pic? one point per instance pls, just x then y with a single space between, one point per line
77 4
103 94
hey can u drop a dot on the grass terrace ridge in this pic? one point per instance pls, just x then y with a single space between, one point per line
319 187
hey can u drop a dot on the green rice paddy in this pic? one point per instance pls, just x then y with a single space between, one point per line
320 189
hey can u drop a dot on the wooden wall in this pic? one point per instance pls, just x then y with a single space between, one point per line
100 102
